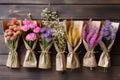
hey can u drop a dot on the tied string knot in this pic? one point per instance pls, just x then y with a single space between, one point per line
45 51
71 52
61 52
14 50
30 50
90 51
107 50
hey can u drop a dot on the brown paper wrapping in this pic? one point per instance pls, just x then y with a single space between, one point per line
44 59
72 57
60 59
12 63
105 56
104 60
30 51
89 58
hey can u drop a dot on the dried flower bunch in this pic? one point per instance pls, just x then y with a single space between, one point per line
31 30
45 36
13 30
47 15
73 34
30 34
91 34
59 36
12 34
109 32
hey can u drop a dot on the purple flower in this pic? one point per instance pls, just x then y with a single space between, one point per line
89 36
49 31
48 39
92 40
109 32
44 35
42 30
108 22
108 37
99 38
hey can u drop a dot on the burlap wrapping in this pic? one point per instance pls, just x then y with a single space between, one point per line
44 59
60 58
89 58
72 57
12 60
30 52
105 57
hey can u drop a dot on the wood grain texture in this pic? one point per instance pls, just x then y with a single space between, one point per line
3 48
79 74
68 9
65 11
62 1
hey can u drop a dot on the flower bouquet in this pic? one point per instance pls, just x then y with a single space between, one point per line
12 33
73 33
109 33
91 35
30 33
45 44
45 40
60 46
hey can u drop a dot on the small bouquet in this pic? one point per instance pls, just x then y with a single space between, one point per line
92 35
73 32
109 33
45 44
60 46
12 33
45 41
30 33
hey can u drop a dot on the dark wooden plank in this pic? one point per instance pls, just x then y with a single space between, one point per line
65 11
1 30
79 74
3 48
114 59
63 1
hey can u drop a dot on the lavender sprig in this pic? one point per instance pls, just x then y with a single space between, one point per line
109 32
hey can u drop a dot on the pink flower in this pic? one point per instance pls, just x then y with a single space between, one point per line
8 37
36 30
26 22
25 28
12 38
32 25
14 20
31 37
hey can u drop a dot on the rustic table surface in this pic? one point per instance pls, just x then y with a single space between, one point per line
68 9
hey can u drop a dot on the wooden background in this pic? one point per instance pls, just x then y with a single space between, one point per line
68 9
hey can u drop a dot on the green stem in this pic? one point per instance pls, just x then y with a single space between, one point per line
12 53
30 58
